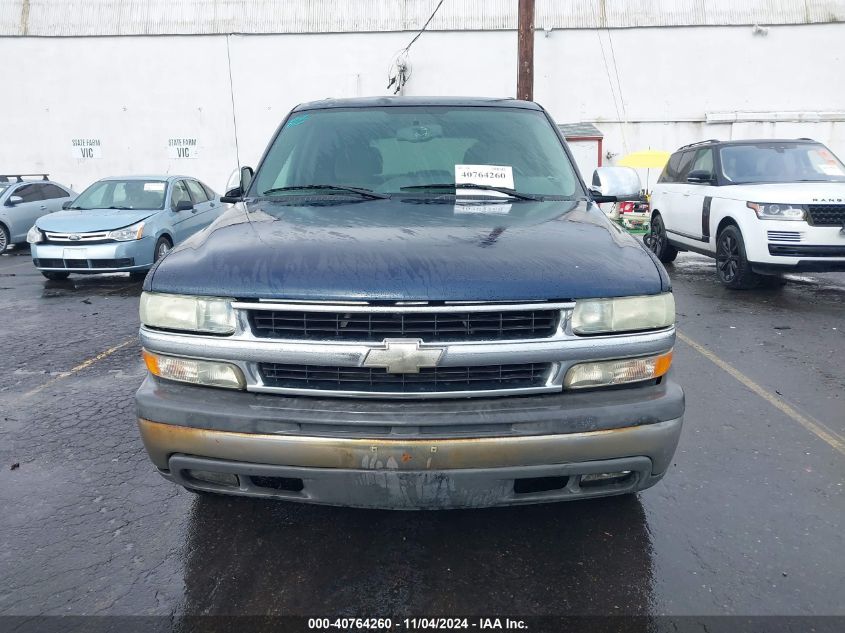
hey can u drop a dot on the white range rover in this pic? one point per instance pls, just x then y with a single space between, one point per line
761 208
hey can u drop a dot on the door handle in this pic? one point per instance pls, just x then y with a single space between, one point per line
43 207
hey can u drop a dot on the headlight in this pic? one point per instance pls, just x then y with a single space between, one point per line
34 235
134 232
623 314
617 372
192 314
193 371
778 211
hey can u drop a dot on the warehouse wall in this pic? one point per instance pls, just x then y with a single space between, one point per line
133 94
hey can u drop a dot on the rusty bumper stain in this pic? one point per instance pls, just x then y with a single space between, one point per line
656 441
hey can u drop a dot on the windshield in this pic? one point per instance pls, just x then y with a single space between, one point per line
404 150
780 162
3 188
123 194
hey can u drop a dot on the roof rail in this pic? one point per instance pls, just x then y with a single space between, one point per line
707 142
20 177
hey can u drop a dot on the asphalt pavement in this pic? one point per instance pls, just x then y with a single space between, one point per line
750 520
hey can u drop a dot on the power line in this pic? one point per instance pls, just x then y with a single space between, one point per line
424 26
619 115
399 71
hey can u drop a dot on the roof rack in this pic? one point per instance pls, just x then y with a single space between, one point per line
707 142
20 177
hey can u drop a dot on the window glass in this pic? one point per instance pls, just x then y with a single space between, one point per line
197 192
703 161
387 149
780 162
209 191
51 192
676 168
180 194
122 194
29 193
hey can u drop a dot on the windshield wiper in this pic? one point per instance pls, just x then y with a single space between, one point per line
120 208
368 193
451 185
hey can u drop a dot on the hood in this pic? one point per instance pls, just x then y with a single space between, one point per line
86 221
408 249
787 192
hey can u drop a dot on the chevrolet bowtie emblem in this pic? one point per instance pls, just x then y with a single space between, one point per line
403 356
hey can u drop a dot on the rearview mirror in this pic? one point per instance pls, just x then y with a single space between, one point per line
236 194
612 184
13 200
184 205
700 176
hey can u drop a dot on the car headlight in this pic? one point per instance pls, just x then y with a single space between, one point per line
210 315
623 314
606 373
778 211
35 235
134 232
193 371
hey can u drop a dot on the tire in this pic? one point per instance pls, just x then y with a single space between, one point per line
5 240
658 242
732 266
163 246
54 275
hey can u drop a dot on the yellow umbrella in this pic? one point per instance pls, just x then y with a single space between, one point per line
646 159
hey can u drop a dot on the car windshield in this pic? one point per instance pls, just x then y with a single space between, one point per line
3 188
123 194
407 150
780 162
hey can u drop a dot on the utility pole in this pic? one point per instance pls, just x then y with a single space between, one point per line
525 46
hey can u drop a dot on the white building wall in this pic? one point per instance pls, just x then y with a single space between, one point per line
135 92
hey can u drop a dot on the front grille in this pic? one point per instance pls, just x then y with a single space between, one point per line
88 238
784 236
785 250
428 326
428 380
827 214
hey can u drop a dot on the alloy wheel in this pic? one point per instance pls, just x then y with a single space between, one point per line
727 257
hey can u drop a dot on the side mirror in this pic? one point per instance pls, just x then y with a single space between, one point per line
236 194
67 204
184 205
700 176
13 200
612 184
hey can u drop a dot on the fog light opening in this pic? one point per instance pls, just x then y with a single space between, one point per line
212 477
289 484
538 484
595 480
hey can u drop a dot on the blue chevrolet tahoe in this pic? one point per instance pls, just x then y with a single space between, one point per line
412 303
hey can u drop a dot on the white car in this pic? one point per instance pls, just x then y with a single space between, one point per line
759 207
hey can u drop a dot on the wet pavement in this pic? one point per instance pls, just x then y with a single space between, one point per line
750 520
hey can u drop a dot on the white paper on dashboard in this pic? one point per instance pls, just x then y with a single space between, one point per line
491 175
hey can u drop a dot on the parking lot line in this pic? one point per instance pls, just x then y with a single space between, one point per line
83 365
816 428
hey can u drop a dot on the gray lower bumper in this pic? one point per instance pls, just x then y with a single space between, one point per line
411 455
418 490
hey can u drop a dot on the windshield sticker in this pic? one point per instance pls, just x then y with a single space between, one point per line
484 175
153 186
482 209
297 120
831 169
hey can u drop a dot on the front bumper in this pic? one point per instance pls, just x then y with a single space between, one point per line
412 455
796 247
131 256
